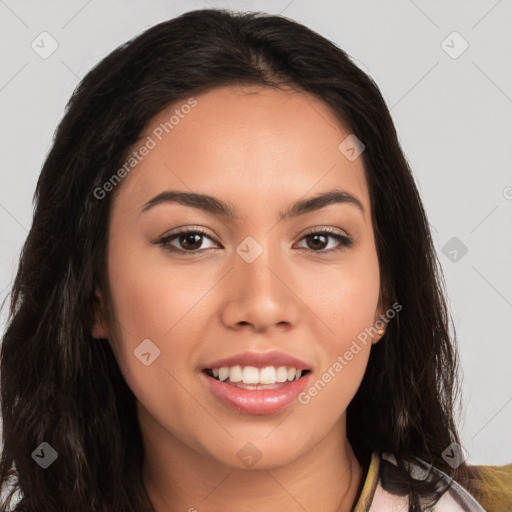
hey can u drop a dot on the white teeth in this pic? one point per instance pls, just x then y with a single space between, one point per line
235 374
253 375
223 373
268 375
250 375
282 374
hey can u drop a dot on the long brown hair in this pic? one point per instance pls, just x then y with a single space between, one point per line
62 387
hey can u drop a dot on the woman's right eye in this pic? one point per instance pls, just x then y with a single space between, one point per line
189 240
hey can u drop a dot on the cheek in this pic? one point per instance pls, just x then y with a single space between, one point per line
149 297
147 304
151 304
348 309
344 298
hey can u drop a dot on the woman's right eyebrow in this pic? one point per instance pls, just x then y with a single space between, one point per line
216 206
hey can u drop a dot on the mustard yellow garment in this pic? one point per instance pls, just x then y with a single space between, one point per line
497 485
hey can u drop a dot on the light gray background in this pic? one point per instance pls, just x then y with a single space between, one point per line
453 116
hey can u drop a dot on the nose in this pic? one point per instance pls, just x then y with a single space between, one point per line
261 295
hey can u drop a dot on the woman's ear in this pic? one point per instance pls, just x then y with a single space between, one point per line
381 319
100 327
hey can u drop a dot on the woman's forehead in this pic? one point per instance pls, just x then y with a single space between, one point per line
245 142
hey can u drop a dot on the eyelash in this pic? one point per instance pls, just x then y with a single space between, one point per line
345 241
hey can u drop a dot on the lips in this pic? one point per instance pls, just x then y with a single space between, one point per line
256 401
260 360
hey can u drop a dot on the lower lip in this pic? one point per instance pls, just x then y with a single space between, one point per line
257 401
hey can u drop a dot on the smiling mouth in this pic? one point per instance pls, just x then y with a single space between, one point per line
256 378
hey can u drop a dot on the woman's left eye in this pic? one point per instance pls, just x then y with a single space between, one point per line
191 240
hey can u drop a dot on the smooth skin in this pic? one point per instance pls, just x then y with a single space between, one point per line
260 150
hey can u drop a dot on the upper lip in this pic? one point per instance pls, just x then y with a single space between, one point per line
260 360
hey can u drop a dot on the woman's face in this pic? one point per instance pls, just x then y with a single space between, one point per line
255 282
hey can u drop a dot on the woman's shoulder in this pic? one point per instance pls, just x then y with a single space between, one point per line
494 481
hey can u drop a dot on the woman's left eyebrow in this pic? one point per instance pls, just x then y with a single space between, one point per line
215 206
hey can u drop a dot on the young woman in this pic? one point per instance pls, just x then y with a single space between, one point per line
229 297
